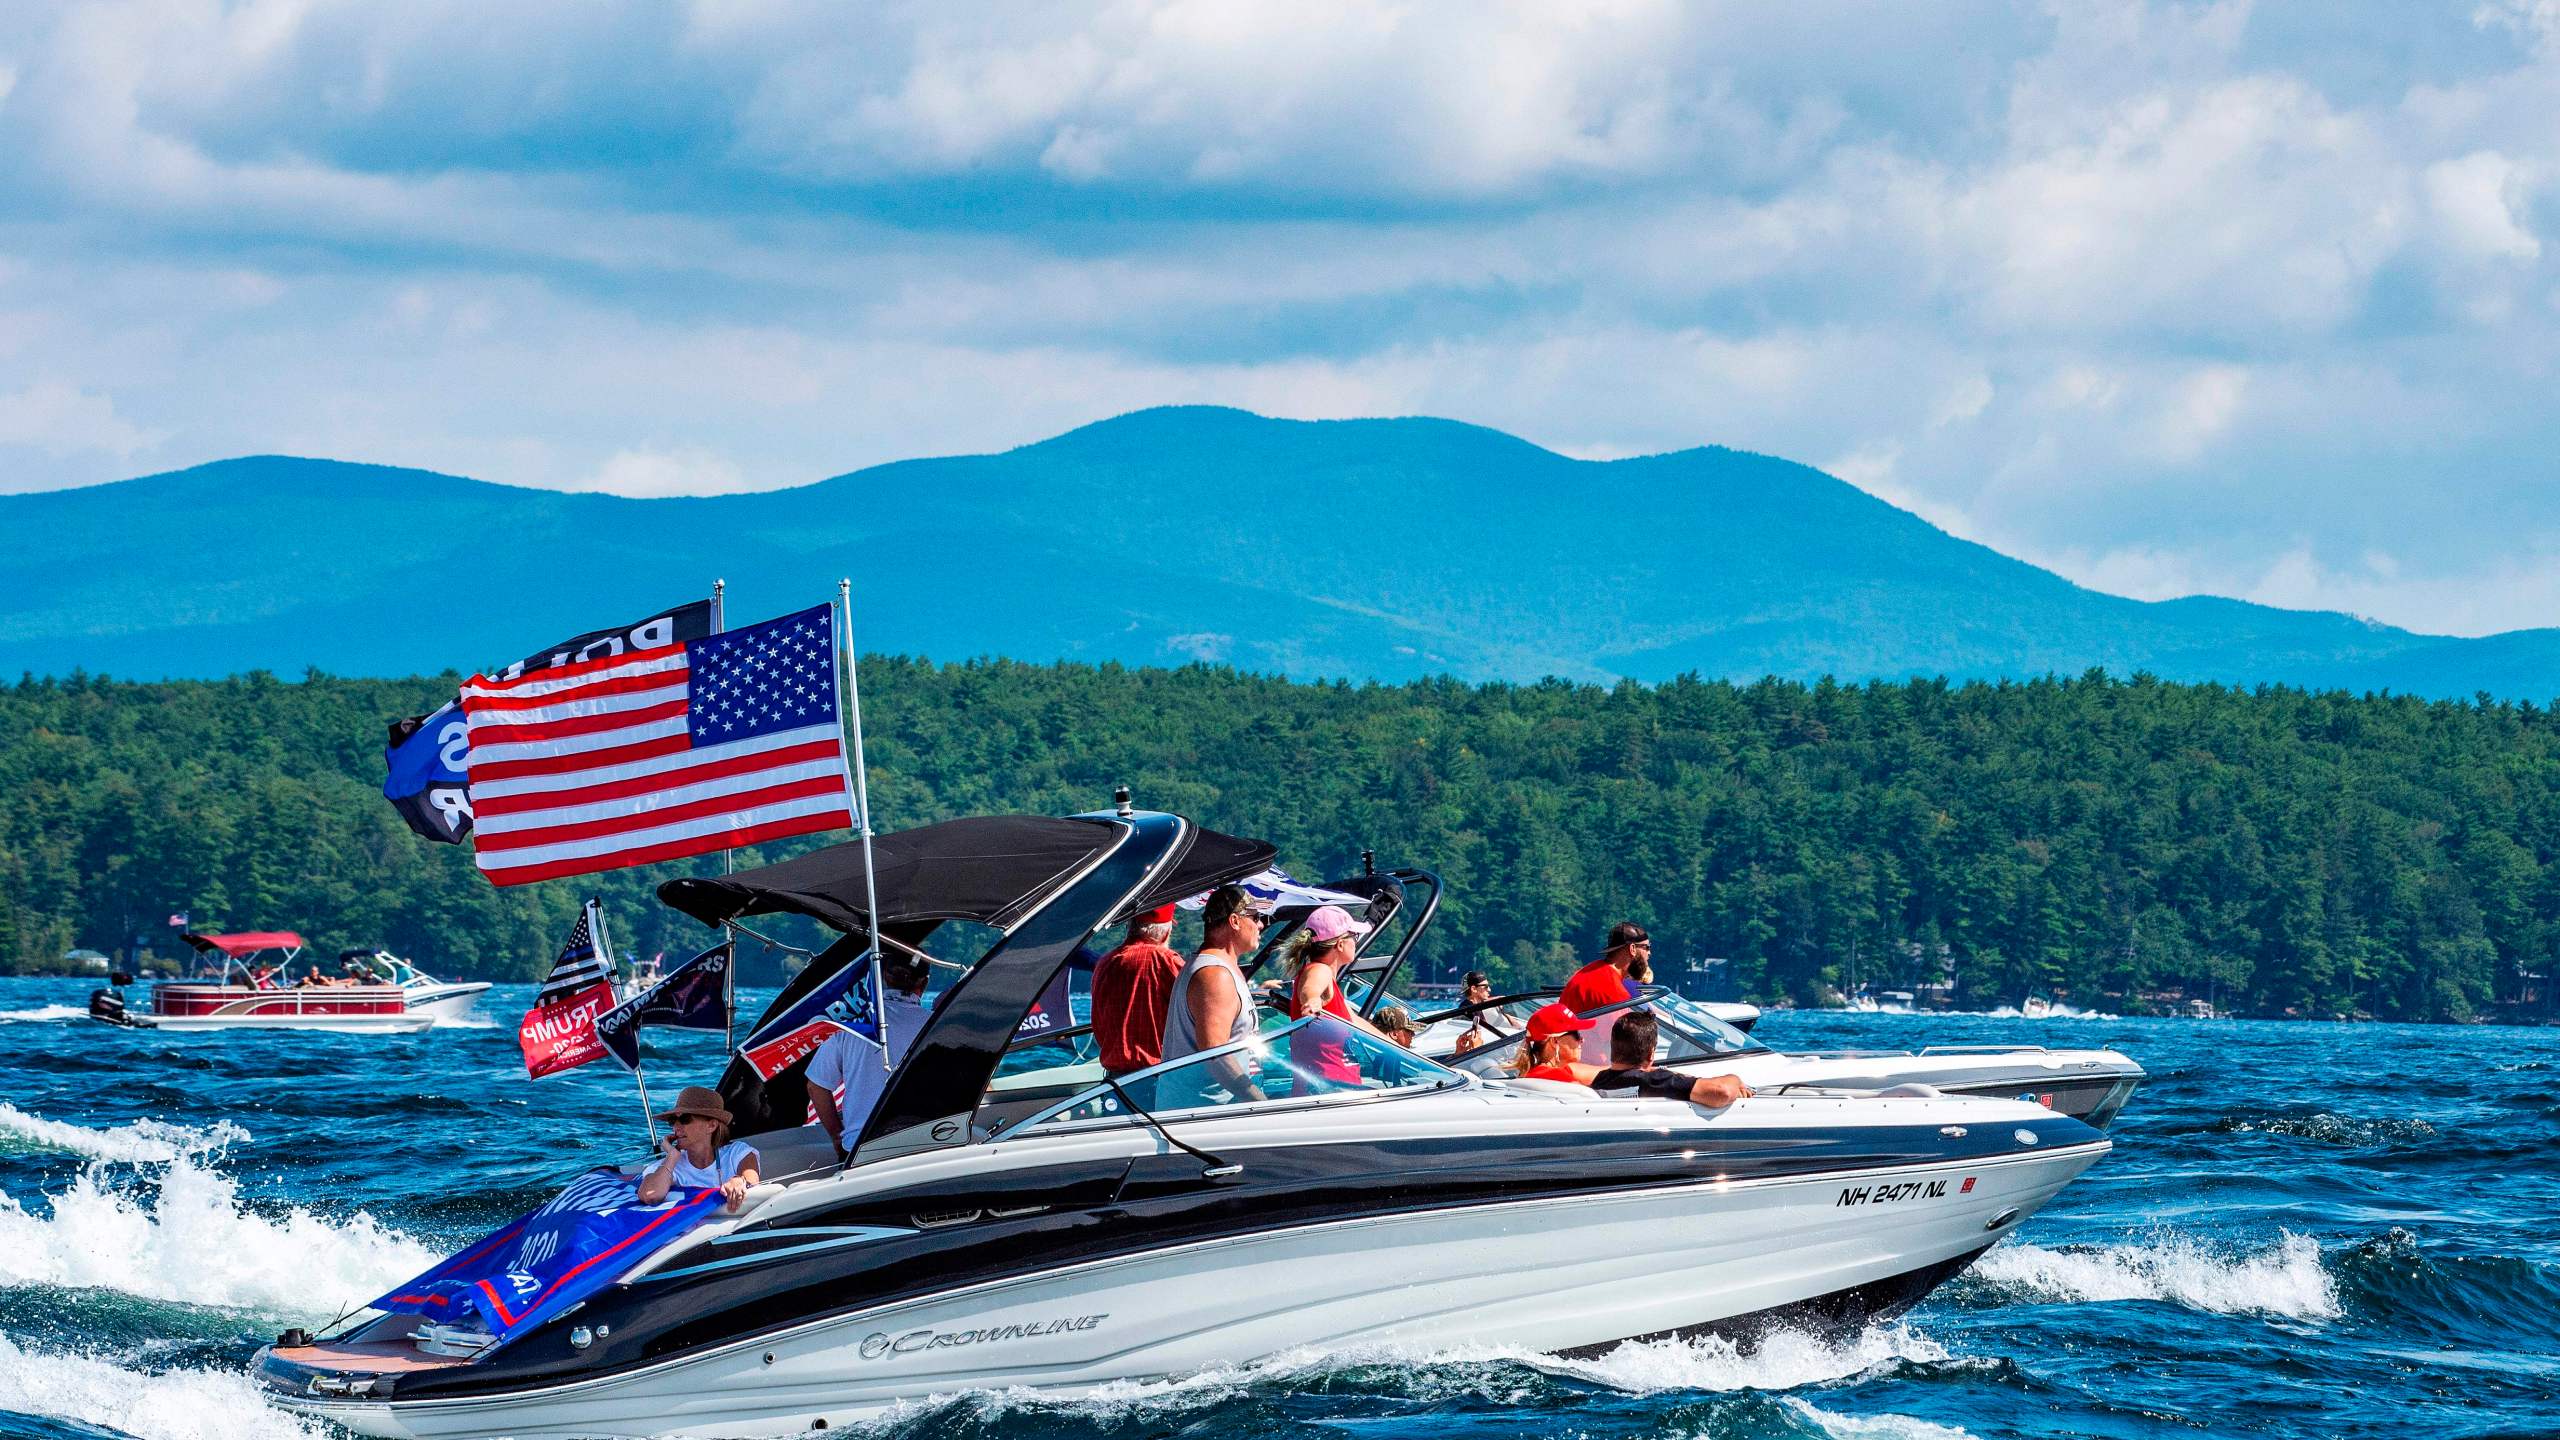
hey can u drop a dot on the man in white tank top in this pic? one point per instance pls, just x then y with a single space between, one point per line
1210 1004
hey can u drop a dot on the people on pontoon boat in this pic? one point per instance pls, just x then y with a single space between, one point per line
1322 948
846 1076
1627 957
1555 1039
1132 988
698 1154
1210 1004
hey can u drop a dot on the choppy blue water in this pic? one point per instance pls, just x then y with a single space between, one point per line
2305 1230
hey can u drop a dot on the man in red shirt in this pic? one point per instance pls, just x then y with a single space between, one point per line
1604 982
1131 986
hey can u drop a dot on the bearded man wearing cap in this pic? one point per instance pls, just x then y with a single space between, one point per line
1131 988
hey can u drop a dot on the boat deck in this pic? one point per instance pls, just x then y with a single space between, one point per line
371 1357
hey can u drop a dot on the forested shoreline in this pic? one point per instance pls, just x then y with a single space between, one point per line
2102 839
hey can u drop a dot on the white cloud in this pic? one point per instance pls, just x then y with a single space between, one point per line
63 420
2477 198
683 471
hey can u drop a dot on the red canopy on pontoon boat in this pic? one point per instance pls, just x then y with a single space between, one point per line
247 942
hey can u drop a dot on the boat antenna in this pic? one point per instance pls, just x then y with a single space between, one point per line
1212 1167
1120 802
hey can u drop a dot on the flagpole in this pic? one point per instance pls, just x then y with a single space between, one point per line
861 780
728 860
595 926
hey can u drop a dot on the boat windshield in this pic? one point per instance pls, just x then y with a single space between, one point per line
1316 1058
1690 1032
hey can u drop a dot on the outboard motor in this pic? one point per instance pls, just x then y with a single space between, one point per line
108 1005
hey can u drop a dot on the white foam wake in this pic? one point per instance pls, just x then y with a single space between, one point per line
1875 1427
144 1142
171 1405
2287 1279
192 1241
1782 1360
47 1012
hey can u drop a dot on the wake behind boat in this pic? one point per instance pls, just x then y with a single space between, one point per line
1011 1218
245 980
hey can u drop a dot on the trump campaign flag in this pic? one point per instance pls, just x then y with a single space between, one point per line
549 1260
559 1032
656 754
847 1000
427 758
694 997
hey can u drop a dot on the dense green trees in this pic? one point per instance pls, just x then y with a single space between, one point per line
2284 851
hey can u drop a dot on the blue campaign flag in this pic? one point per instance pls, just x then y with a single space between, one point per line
588 1235
427 758
694 996
845 1000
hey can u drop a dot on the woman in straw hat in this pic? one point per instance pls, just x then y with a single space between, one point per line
699 1153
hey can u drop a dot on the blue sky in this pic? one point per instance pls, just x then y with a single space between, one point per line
2248 300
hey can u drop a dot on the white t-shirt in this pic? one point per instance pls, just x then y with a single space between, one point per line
723 1166
851 1069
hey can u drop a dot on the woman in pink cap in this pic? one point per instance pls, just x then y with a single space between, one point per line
1317 957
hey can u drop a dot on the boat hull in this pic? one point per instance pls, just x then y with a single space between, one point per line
443 1002
1596 1269
358 1009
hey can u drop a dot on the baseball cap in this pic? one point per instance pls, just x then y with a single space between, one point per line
1161 915
1332 922
1226 900
1553 1019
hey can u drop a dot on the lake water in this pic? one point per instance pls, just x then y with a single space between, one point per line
2305 1230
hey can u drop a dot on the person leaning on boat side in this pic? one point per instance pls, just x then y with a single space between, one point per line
698 1153
1628 956
1317 957
1210 1004
846 1076
1555 1038
1131 989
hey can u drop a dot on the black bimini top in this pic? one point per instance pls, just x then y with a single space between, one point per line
990 869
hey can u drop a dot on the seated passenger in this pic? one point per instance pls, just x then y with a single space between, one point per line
1210 1004
1555 1039
847 1076
1131 987
1475 989
1396 1023
698 1153
1317 956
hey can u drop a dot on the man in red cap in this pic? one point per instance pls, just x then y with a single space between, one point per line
1555 1040
1131 986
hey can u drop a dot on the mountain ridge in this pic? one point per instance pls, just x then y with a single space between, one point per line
1363 549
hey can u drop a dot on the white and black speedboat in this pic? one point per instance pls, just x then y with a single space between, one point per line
1009 1219
2088 1085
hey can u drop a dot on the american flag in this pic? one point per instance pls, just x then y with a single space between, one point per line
657 754
580 964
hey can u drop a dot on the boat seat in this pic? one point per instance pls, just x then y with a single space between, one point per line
795 1153
1564 1089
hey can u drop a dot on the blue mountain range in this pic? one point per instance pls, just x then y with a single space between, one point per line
1361 549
